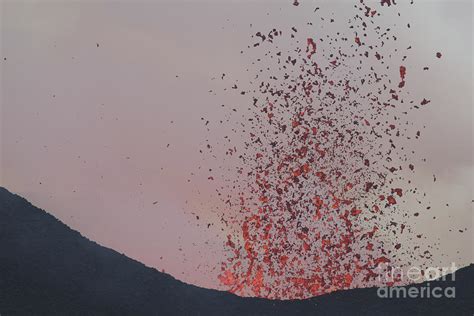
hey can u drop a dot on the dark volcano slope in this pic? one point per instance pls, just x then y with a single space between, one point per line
48 269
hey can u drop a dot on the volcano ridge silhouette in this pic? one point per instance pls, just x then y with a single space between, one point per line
46 268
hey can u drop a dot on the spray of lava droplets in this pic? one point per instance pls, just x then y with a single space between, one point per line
316 204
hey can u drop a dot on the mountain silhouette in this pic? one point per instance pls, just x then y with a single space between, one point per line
46 268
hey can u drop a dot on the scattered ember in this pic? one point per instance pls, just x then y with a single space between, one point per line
424 102
311 49
315 198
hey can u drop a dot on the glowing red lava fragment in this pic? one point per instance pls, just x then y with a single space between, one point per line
257 282
381 260
403 71
229 242
314 289
424 101
391 200
398 191
227 278
348 279
311 47
306 246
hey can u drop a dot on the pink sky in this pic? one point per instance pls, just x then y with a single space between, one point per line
85 129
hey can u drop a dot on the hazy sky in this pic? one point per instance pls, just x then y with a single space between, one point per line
85 129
